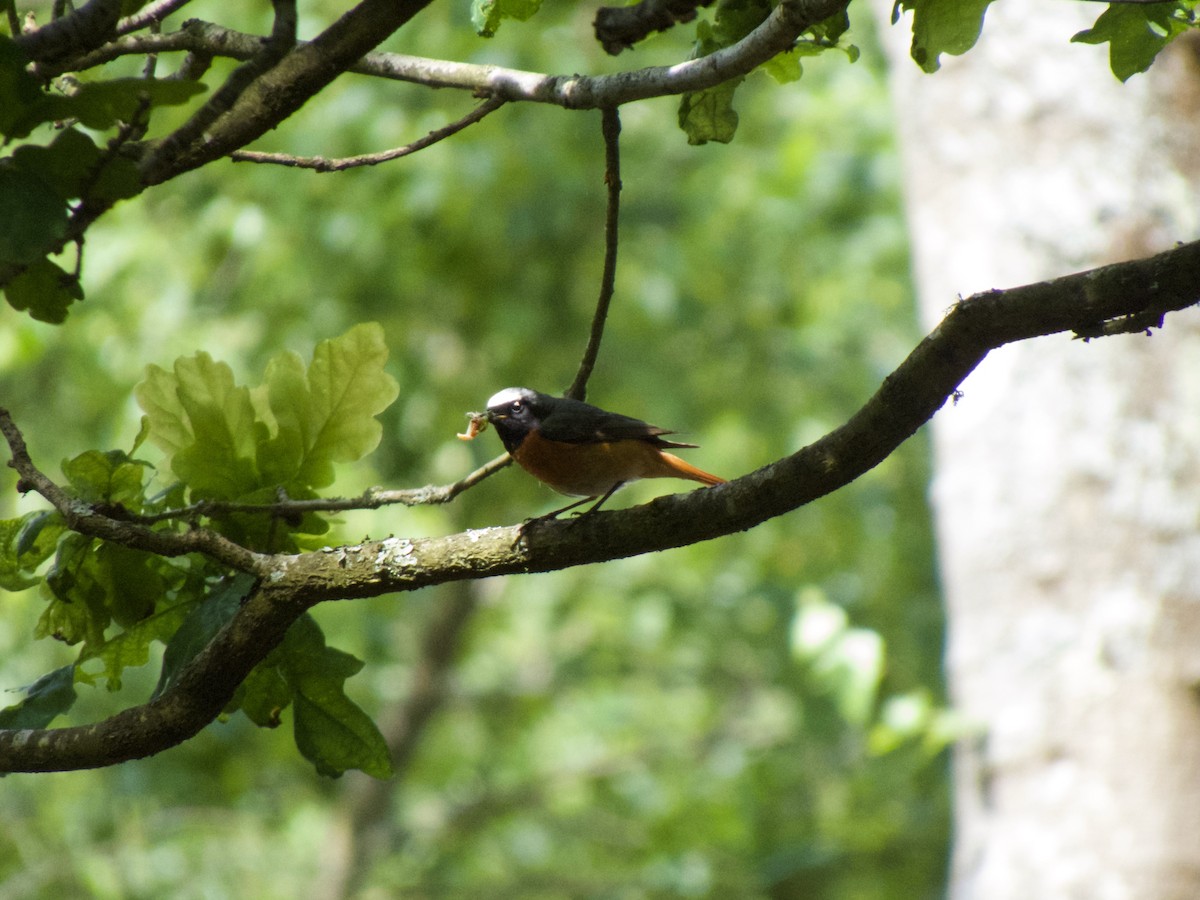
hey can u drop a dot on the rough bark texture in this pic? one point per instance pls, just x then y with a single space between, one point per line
1067 487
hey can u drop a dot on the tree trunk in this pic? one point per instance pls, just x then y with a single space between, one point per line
1067 485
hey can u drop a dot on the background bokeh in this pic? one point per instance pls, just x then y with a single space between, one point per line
758 716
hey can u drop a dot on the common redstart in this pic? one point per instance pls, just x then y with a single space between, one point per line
582 450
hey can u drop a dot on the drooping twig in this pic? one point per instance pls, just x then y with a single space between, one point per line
321 164
611 127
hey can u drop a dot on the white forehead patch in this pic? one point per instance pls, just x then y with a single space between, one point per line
507 396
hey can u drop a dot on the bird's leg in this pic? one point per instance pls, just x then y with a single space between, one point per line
554 514
587 512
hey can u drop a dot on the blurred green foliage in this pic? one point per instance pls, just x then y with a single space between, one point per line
754 717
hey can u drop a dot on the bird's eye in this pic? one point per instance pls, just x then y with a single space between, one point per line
516 406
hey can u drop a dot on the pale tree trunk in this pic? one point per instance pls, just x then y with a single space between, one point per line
1067 485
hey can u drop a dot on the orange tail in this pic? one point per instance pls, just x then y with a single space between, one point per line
674 467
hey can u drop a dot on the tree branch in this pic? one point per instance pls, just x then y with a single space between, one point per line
907 399
777 34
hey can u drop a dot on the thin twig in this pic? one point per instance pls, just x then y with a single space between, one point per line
373 498
610 125
321 164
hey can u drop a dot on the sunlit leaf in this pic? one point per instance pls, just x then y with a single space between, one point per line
158 396
219 461
327 415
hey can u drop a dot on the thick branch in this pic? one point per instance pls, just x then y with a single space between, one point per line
906 400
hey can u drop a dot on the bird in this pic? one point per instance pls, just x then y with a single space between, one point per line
581 450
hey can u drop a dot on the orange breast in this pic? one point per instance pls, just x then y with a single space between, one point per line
591 470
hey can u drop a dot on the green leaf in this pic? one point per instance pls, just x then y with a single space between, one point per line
944 26
200 626
38 537
20 92
33 217
64 165
264 695
71 554
107 477
331 731
486 15
130 648
709 115
47 698
1135 34
784 68
158 396
207 424
327 415
25 543
100 104
45 290
134 581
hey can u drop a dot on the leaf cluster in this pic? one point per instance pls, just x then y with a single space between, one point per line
1136 32
42 187
223 442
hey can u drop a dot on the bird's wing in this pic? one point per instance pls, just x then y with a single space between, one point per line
584 424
